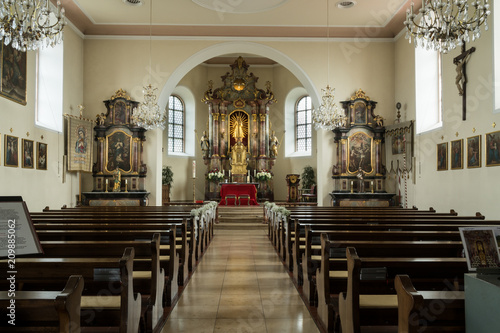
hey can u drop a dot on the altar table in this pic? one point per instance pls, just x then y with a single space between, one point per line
237 190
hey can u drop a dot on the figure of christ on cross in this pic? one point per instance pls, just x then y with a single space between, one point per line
461 80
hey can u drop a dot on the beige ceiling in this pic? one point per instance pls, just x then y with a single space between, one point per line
292 18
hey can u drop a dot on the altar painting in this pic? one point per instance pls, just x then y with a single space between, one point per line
360 153
118 155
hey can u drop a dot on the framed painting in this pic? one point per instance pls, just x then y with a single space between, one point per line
118 147
474 152
457 156
492 141
442 156
360 147
28 154
41 156
360 115
11 157
13 74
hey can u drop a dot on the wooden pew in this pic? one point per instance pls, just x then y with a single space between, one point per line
106 300
429 310
122 232
311 251
375 302
296 239
157 283
42 311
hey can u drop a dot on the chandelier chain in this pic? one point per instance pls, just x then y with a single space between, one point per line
149 115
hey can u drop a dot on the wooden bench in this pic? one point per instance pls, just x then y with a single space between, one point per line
311 251
155 279
428 310
108 299
42 311
375 302
121 232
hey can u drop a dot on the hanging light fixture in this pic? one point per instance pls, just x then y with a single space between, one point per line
149 115
328 116
30 24
442 25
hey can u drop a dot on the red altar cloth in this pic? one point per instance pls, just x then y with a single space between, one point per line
237 190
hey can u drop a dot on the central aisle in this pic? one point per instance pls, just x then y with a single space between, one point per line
240 286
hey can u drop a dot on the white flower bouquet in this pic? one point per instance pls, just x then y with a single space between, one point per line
263 175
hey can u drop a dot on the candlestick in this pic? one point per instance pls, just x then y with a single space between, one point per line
372 186
194 169
126 185
106 186
352 186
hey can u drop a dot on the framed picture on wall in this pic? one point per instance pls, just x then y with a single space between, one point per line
27 154
442 156
13 74
41 156
492 141
457 156
474 152
11 157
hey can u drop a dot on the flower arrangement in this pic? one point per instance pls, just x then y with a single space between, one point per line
215 175
263 175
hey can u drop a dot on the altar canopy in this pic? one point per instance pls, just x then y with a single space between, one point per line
238 141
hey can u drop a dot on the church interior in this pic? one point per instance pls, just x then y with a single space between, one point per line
239 87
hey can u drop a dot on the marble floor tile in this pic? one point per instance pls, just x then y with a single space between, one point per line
189 325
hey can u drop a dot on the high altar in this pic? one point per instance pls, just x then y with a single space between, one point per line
119 171
238 142
359 173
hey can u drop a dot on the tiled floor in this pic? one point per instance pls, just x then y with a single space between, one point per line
240 286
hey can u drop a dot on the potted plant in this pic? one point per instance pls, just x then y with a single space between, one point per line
167 178
307 177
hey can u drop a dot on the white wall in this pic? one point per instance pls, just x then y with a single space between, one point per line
467 190
40 188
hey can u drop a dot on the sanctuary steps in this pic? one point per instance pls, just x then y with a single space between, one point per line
241 217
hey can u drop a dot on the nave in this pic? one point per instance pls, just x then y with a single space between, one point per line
240 285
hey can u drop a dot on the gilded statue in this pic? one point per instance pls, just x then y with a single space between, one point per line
117 179
239 158
274 144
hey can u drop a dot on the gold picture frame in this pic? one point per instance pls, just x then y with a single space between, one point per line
11 151
41 156
13 74
118 151
360 153
456 154
442 156
492 148
28 154
473 152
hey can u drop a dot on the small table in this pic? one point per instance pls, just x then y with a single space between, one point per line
238 189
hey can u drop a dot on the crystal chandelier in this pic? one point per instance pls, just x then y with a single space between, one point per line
148 115
445 24
328 116
30 24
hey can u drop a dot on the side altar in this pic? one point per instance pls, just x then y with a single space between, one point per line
359 173
239 143
119 171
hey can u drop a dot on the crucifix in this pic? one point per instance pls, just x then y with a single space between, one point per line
461 79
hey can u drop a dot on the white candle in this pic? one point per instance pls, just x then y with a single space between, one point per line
229 174
194 169
254 172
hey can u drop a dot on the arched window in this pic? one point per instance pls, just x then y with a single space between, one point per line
176 118
303 127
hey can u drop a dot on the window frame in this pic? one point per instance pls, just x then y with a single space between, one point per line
307 125
170 135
